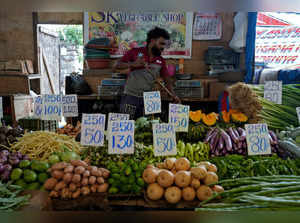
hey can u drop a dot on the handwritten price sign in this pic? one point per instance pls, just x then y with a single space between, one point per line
121 137
258 142
164 139
70 105
273 91
179 117
52 107
152 102
92 129
38 107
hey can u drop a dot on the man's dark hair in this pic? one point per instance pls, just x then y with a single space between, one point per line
157 33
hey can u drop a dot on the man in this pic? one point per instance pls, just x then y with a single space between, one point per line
145 65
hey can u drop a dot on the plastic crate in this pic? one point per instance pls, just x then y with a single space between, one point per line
188 83
189 92
110 90
38 125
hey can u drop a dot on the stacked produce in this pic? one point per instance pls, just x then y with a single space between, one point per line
196 133
126 177
245 100
9 135
238 166
30 175
290 141
175 180
8 161
278 116
233 141
70 130
143 130
10 198
256 193
70 180
40 145
194 152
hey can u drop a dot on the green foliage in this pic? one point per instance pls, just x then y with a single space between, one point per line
72 34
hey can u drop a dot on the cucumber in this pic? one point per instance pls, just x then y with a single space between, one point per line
288 145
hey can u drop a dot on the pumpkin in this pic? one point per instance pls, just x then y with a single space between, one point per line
195 115
239 117
226 116
210 119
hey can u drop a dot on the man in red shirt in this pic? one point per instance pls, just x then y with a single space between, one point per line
140 79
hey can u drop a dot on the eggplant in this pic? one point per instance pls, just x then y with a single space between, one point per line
215 143
273 136
242 134
235 147
221 143
227 140
232 135
245 145
2 168
271 140
213 137
236 132
240 144
19 155
14 161
8 167
209 134
5 175
3 159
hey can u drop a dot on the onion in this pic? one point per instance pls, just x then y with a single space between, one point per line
19 155
4 152
3 159
1 168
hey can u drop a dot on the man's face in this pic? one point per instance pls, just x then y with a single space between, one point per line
158 46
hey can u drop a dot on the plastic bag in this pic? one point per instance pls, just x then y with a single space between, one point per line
238 41
77 85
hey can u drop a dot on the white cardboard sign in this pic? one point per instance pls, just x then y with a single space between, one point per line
179 117
92 129
52 107
273 91
258 141
70 105
164 139
121 137
152 102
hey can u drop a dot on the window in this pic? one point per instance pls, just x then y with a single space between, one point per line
277 42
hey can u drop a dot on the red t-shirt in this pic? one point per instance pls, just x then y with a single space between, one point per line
132 55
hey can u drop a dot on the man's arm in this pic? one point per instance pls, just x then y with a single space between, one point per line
169 84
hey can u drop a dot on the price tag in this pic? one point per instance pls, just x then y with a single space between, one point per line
121 137
179 117
51 107
92 129
38 107
116 117
164 139
70 105
298 113
258 142
152 102
273 91
1 108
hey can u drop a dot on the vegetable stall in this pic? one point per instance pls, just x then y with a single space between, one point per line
207 168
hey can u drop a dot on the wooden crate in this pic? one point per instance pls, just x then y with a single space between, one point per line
14 84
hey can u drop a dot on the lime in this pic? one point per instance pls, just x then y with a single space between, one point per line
35 164
111 180
115 176
24 164
140 182
33 186
128 171
113 190
68 156
42 177
53 159
21 183
126 188
138 174
131 179
135 167
29 176
123 180
16 174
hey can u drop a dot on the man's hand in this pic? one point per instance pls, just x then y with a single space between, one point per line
177 100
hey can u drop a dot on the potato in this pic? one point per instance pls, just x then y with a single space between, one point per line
211 178
204 192
212 168
195 183
94 188
155 191
102 188
173 195
161 166
105 172
100 180
85 181
96 172
199 172
174 170
79 170
76 178
150 166
188 194
59 166
76 194
57 174
54 194
65 193
150 175
85 190
165 178
170 163
50 183
59 186
182 164
183 178
92 180
69 169
72 187
79 163
86 173
68 178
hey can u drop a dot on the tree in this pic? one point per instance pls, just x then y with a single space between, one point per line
72 34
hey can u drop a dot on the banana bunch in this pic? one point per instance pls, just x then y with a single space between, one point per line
194 152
